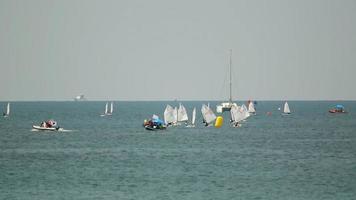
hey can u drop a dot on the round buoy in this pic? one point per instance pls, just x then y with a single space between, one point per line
219 121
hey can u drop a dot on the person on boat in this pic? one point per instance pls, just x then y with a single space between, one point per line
236 124
205 123
48 124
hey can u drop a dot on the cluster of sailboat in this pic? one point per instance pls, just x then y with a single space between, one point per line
179 116
175 116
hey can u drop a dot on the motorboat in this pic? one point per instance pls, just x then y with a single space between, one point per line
338 109
154 124
49 125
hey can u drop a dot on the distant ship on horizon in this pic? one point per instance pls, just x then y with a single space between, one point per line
80 98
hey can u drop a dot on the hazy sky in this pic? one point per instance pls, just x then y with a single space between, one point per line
165 50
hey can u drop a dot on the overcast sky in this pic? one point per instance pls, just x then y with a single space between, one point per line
165 50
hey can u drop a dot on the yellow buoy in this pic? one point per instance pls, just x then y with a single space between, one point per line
219 121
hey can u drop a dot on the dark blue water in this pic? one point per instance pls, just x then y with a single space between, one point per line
310 154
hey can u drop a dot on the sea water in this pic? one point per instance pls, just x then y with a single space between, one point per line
309 154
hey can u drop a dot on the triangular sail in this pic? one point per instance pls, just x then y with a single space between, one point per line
106 108
244 110
111 107
251 108
8 109
193 116
175 115
237 114
286 108
208 114
169 115
182 114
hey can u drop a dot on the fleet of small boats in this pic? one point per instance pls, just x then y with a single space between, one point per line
178 116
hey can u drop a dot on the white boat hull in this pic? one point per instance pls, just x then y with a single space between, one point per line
46 129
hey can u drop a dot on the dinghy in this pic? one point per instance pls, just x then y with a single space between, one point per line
169 115
182 115
107 112
49 125
338 109
286 110
251 108
154 124
7 113
237 115
208 115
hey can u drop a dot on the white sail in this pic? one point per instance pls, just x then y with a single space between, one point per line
169 115
251 107
8 109
175 115
182 114
244 110
286 108
193 116
208 114
111 107
106 109
237 114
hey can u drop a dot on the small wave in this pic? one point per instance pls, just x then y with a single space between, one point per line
65 130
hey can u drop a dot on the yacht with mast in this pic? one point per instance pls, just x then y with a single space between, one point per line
226 106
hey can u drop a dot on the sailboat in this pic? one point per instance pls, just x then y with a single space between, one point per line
193 118
7 113
169 115
237 115
245 112
251 108
226 106
208 115
107 112
286 110
182 115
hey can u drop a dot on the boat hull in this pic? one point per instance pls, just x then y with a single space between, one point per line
334 111
45 129
154 128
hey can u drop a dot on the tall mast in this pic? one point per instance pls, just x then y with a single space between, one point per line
230 98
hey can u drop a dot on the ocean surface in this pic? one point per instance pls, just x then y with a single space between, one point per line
310 154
